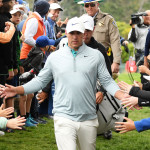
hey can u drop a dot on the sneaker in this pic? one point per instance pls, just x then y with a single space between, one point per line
29 124
8 130
108 134
50 117
41 121
2 133
32 120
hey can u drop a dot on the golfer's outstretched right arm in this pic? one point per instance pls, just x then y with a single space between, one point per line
10 91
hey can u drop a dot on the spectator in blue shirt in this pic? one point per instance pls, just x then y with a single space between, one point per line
130 125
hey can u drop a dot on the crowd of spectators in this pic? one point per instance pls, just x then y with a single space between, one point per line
19 30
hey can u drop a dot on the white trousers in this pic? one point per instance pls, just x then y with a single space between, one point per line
72 135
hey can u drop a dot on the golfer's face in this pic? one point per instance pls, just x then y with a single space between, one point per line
75 39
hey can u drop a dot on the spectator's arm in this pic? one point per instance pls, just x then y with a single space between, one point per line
31 30
6 37
142 125
135 91
146 86
3 122
132 35
143 102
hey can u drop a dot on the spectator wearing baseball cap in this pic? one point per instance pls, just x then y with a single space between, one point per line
16 15
43 41
50 23
36 55
15 52
52 33
91 42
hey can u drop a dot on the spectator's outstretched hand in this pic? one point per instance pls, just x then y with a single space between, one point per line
129 102
16 123
125 126
148 57
125 86
138 84
7 91
143 69
6 112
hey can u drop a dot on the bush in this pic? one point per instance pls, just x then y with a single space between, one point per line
124 29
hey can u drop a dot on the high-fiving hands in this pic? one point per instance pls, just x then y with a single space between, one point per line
125 126
6 112
7 91
124 86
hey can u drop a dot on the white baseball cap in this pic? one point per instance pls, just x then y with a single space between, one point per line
75 24
55 6
16 10
88 22
21 7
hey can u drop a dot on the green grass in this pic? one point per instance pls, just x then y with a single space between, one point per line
126 77
42 137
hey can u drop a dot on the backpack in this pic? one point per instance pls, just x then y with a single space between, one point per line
109 111
34 59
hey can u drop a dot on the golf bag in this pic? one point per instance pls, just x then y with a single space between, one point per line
109 111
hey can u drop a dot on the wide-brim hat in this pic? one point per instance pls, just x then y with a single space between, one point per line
89 1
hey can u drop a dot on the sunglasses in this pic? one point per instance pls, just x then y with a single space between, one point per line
90 4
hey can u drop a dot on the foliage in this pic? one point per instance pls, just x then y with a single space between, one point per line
71 9
124 29
121 10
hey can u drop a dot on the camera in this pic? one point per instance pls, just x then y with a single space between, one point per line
26 77
137 18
